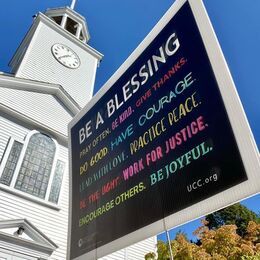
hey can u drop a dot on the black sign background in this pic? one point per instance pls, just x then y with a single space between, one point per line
168 195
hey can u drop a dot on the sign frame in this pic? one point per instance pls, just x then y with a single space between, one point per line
241 129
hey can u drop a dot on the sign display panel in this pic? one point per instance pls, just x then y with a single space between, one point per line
158 141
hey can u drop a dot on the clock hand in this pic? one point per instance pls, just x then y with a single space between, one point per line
64 56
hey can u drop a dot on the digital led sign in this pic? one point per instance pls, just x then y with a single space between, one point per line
156 142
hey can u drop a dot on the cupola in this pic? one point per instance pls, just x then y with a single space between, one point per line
71 21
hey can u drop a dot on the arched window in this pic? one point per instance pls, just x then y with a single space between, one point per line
36 167
32 167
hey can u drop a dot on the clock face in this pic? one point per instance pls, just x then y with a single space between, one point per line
65 56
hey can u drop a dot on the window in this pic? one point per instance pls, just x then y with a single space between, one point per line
32 167
56 183
71 26
36 168
12 160
57 19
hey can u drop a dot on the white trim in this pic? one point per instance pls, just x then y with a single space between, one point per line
243 134
92 83
27 196
60 10
64 20
34 245
9 254
79 28
70 194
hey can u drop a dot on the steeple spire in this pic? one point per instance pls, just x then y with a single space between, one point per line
73 2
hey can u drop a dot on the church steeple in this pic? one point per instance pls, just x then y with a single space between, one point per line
56 50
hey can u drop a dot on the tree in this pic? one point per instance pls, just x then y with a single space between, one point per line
218 242
225 243
236 214
222 243
163 250
150 256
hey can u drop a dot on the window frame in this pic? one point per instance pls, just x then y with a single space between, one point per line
11 188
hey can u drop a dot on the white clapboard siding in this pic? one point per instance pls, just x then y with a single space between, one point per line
8 129
39 64
52 222
139 250
134 252
119 255
43 108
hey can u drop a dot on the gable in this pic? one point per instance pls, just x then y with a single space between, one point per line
25 238
44 108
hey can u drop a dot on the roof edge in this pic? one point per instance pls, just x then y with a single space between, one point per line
41 87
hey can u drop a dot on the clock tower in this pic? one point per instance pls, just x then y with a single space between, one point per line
56 50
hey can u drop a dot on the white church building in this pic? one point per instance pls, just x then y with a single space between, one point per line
52 78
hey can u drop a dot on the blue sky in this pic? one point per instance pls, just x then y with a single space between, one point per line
117 27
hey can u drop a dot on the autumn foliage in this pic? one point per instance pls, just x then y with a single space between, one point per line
222 243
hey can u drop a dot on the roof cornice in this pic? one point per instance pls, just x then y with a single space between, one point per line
66 9
31 230
40 242
41 87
